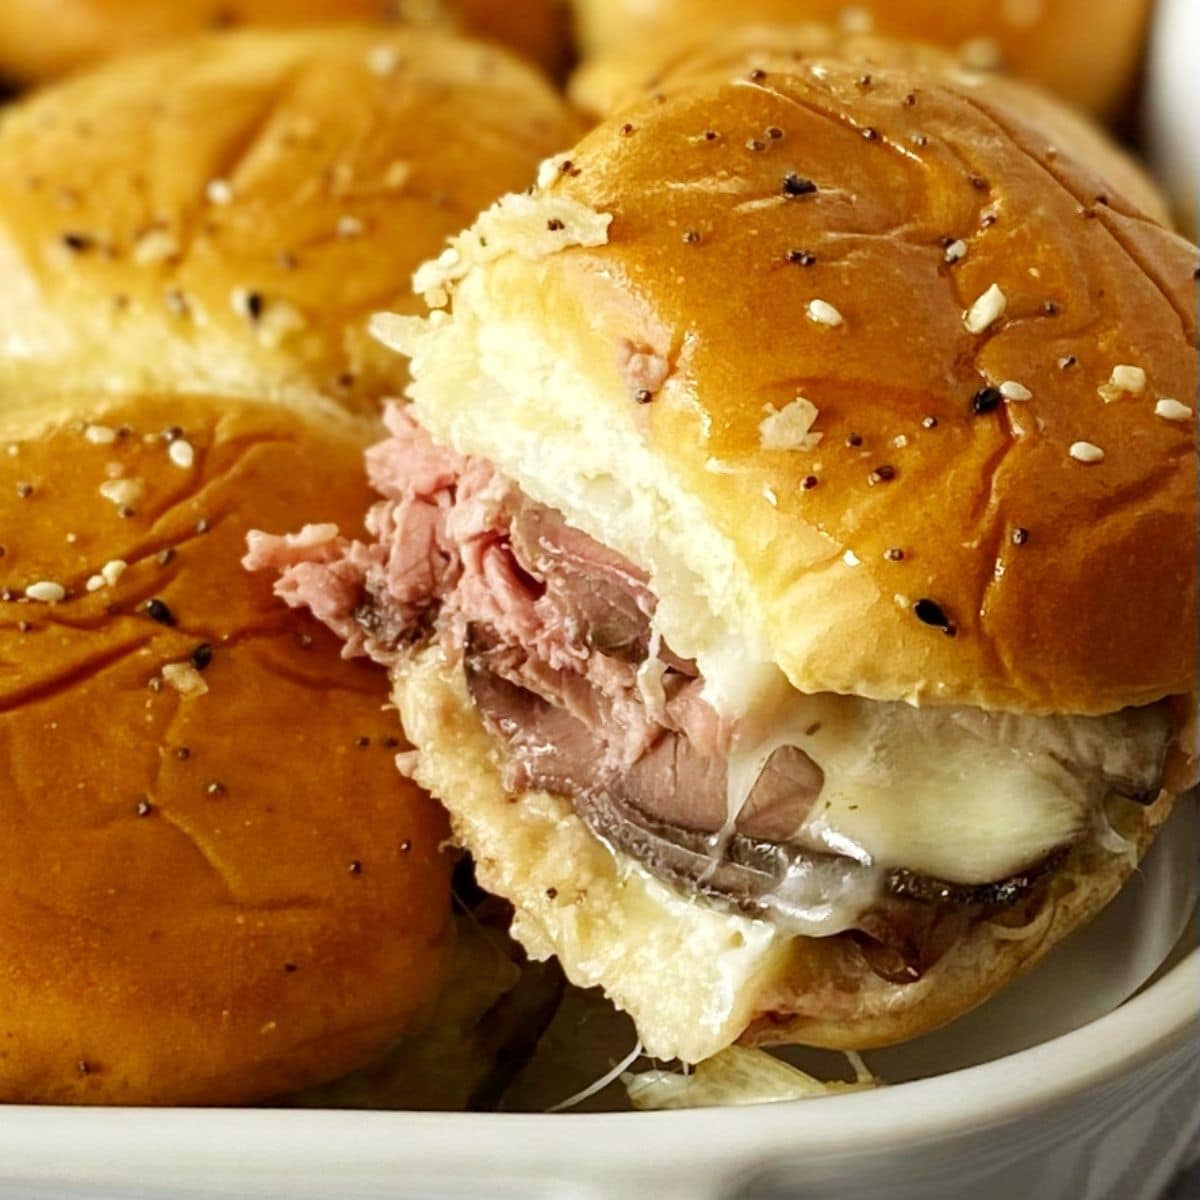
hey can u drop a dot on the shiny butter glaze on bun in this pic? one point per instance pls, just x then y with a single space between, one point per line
1085 50
36 44
217 887
225 216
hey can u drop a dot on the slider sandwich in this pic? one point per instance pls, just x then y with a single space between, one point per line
786 563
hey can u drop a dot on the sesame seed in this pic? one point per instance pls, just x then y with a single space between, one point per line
100 435
870 134
805 258
182 454
795 186
929 423
929 612
215 788
154 246
46 592
348 227
1172 410
165 557
1067 362
986 311
1087 453
1020 536
823 313
851 559
955 251
219 192
355 868
1011 390
1128 379
383 60
985 401
144 808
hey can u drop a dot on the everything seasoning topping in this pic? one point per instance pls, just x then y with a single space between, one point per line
157 610
1086 453
986 310
1020 536
795 186
1172 410
930 613
201 657
144 807
46 592
820 312
985 401
804 258
1013 391
643 395
882 474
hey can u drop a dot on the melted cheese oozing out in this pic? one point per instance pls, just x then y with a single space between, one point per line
959 794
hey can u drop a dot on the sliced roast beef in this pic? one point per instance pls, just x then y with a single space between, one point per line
555 633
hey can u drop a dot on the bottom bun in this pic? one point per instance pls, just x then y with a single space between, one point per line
696 978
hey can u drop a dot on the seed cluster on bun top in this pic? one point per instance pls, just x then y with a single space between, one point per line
977 505
226 215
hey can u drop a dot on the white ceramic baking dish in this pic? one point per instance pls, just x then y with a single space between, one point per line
1105 1113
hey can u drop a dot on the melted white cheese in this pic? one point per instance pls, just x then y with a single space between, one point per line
958 794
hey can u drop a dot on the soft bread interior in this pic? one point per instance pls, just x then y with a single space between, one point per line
497 382
690 975
695 978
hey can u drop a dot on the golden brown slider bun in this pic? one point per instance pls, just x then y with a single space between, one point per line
605 85
42 39
217 887
879 391
1085 50
224 216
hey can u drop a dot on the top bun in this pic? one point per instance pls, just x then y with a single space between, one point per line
36 45
607 84
217 887
224 216
1085 50
880 386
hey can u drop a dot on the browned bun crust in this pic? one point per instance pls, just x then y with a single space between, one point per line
209 898
1085 50
1070 586
225 216
606 84
41 40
